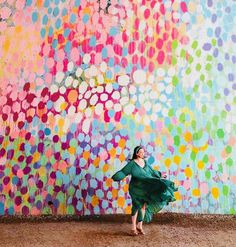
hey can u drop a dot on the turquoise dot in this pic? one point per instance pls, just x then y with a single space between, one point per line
49 104
43 32
56 11
66 32
49 10
45 19
34 16
124 51
93 183
104 53
109 137
81 137
73 128
79 206
57 2
115 86
109 74
58 23
54 43
113 31
209 32
15 180
66 179
50 31
151 160
73 18
1 208
85 18
46 3
77 3
68 46
117 68
104 204
47 131
28 2
11 210
92 41
64 12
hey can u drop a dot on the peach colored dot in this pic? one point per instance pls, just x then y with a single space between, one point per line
72 96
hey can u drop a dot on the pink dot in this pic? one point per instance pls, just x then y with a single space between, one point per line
118 49
5 12
183 7
74 54
142 46
136 36
151 52
125 37
20 4
143 61
48 78
151 67
50 62
146 13
135 59
159 43
131 48
124 62
161 57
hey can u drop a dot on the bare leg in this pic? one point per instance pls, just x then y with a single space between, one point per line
140 223
134 219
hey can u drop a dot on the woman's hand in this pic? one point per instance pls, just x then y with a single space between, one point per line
164 176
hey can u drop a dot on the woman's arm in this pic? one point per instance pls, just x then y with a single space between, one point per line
123 172
154 172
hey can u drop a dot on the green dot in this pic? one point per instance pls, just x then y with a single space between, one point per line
203 109
215 120
174 60
194 44
234 100
202 77
208 67
228 149
220 168
171 113
175 80
225 190
183 53
220 133
174 44
194 124
176 140
170 127
182 117
208 126
198 53
205 158
195 136
190 59
232 211
223 114
188 71
179 130
209 83
198 67
213 42
188 98
229 162
193 156
195 88
209 58
217 96
70 209
208 174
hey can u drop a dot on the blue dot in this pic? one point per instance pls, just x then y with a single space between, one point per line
56 11
15 180
43 32
73 128
92 41
54 43
115 86
28 2
68 46
45 19
64 12
77 3
1 208
104 52
34 16
73 18
113 31
49 10
109 74
117 68
124 51
11 211
123 121
50 31
46 3
209 32
47 131
111 62
58 23
85 18
49 104
57 2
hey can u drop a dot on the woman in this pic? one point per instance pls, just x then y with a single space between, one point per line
149 191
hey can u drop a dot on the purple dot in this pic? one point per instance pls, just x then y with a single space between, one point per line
40 184
215 52
230 77
25 210
29 159
39 204
217 31
57 188
226 56
27 136
220 67
234 59
2 152
234 86
22 147
227 9
41 134
227 107
91 191
207 46
74 201
18 200
41 147
6 180
1 139
57 156
226 91
220 42
209 3
21 158
55 138
233 37
24 190
53 175
26 170
31 199
64 145
10 154
213 18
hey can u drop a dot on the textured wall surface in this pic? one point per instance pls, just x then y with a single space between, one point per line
83 82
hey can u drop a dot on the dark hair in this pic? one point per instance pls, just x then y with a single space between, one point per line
136 149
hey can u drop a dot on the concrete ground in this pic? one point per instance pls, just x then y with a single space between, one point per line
166 229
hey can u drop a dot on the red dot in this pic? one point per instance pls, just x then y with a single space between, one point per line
161 57
159 43
131 47
4 117
61 39
136 36
26 86
146 13
142 46
183 7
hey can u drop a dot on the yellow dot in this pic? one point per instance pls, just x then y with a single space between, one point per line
182 149
6 45
200 164
215 192
177 195
112 152
18 29
188 137
167 162
105 168
177 159
63 106
71 150
86 155
188 172
96 162
121 202
95 201
196 192
36 157
122 143
61 123
195 150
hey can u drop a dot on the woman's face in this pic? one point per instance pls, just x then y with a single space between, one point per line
140 153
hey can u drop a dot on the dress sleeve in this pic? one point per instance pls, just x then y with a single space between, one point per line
123 172
155 173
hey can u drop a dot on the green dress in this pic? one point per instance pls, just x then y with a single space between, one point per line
146 187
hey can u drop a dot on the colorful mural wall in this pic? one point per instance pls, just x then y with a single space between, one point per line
83 82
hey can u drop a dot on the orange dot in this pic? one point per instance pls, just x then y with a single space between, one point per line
121 202
105 168
112 152
72 96
109 182
96 162
86 155
128 210
122 157
188 137
122 143
71 150
114 193
126 188
182 149
95 201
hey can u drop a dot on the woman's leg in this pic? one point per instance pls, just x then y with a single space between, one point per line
140 220
134 220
